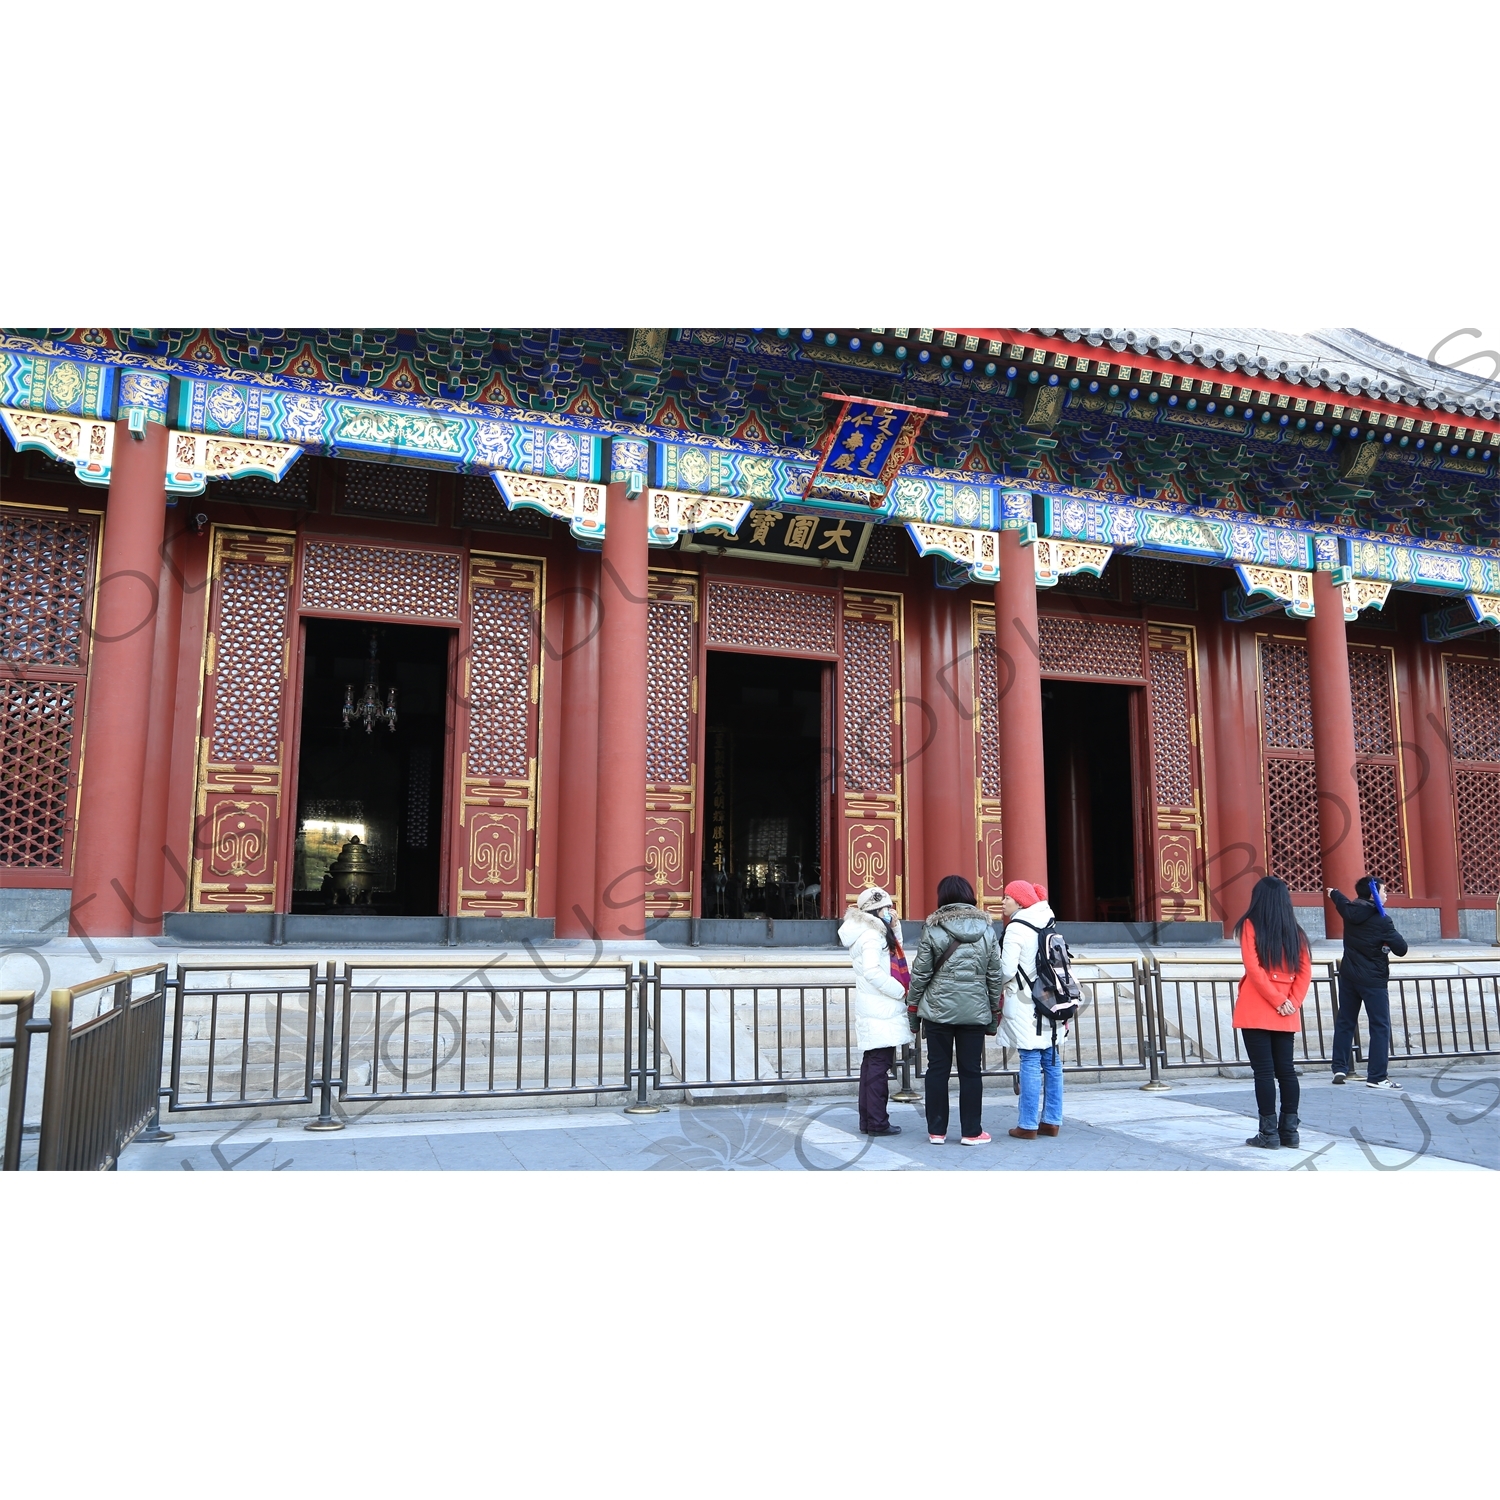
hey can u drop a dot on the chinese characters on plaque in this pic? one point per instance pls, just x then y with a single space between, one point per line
863 448
821 541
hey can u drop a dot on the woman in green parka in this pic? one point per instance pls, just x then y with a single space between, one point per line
956 993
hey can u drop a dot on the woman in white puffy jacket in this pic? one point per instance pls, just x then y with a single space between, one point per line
870 934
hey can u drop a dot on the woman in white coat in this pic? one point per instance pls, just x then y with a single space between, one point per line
871 935
1026 911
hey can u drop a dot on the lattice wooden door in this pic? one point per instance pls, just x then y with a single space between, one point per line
47 562
987 821
671 743
871 848
1472 686
499 728
1377 767
242 749
1293 850
1177 877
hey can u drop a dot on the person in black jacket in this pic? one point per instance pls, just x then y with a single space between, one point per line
1370 937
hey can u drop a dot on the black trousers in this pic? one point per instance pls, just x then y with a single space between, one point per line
1271 1056
1376 999
874 1089
942 1042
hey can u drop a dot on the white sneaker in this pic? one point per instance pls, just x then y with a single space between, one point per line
1384 1083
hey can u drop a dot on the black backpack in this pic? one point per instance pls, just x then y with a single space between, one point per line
1056 995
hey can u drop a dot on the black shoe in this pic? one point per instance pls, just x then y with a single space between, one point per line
1287 1129
1267 1136
889 1130
1340 1077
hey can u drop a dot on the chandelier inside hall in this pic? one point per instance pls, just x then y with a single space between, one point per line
368 710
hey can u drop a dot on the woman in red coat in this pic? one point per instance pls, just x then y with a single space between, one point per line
1278 970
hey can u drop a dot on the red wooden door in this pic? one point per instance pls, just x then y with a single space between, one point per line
499 730
242 749
672 695
870 849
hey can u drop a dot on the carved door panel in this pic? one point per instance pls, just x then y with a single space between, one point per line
47 562
671 743
1471 689
1293 850
987 828
1177 864
869 746
499 731
242 748
1377 767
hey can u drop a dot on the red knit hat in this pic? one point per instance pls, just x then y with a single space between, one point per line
1024 892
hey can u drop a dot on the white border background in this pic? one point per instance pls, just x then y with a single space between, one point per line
1288 166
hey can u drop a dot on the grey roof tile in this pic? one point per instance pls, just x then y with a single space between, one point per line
1337 359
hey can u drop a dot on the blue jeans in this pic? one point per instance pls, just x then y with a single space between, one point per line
1041 1087
1376 1000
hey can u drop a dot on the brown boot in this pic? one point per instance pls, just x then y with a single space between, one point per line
1022 1135
1048 1129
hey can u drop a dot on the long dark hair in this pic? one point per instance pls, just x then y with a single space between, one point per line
954 890
1279 941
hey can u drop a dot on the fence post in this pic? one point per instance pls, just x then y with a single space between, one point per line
1151 990
20 1070
325 1120
153 1131
55 1085
121 1026
906 1094
642 983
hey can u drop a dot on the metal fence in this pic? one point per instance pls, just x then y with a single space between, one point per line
501 1029
18 1045
740 1033
1435 1012
103 1075
268 1035
244 1035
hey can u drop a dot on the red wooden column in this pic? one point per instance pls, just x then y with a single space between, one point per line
1433 779
119 700
1018 671
579 759
947 828
150 869
1339 833
1237 859
620 843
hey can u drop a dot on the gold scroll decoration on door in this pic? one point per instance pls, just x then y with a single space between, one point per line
241 750
499 727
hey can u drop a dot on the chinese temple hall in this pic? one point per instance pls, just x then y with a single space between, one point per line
476 635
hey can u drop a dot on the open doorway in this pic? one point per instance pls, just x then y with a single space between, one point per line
768 798
1091 801
376 774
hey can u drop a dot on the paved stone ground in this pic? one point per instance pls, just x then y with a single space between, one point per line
1442 1121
